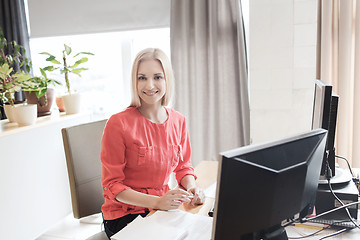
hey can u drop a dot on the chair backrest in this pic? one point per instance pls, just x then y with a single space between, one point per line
82 144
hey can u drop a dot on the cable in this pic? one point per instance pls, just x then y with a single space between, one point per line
348 164
335 233
312 234
346 209
330 211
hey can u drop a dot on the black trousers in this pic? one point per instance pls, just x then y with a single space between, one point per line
113 226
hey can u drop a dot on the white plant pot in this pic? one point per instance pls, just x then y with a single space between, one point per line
72 103
9 113
25 115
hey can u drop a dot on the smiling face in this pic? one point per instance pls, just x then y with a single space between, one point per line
151 84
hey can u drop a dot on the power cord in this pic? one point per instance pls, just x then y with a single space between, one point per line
330 211
310 235
342 204
335 233
303 220
328 177
355 179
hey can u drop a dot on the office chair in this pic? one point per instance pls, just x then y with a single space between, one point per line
82 151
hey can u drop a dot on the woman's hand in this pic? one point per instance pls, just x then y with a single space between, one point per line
173 199
198 195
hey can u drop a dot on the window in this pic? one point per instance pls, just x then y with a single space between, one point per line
106 85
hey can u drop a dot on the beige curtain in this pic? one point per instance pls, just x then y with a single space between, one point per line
209 59
339 64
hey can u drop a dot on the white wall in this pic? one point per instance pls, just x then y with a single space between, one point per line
282 65
35 192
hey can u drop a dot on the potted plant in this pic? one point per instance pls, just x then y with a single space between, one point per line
40 92
72 99
12 78
10 83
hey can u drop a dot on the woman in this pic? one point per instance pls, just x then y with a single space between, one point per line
143 145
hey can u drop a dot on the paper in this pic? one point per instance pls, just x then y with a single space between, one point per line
198 227
143 228
168 225
211 191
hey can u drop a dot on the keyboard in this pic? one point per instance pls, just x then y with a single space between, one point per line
338 223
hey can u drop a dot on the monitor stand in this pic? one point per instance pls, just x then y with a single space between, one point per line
276 232
342 176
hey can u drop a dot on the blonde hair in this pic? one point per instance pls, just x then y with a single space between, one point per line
155 54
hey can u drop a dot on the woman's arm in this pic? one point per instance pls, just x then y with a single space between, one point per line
171 200
188 182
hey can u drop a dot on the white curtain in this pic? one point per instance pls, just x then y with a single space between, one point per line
211 84
338 63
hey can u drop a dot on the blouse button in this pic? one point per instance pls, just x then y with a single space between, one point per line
105 188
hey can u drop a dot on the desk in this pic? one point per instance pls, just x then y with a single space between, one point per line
206 171
207 175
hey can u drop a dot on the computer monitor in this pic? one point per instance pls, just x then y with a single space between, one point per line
324 116
259 186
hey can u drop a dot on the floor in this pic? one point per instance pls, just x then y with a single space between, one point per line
74 229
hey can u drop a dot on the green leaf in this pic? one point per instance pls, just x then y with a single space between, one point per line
49 68
78 70
88 53
21 77
49 59
82 60
41 93
5 69
17 88
78 62
43 73
53 60
17 48
67 49
55 82
46 53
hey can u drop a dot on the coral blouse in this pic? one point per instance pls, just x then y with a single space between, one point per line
139 154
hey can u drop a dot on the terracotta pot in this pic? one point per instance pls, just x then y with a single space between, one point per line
60 104
43 107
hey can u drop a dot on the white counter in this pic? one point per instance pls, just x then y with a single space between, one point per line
34 184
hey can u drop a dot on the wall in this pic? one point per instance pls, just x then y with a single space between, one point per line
35 192
282 65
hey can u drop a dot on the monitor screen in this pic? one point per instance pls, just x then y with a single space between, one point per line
259 186
324 116
322 102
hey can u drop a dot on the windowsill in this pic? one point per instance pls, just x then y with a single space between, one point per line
7 128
